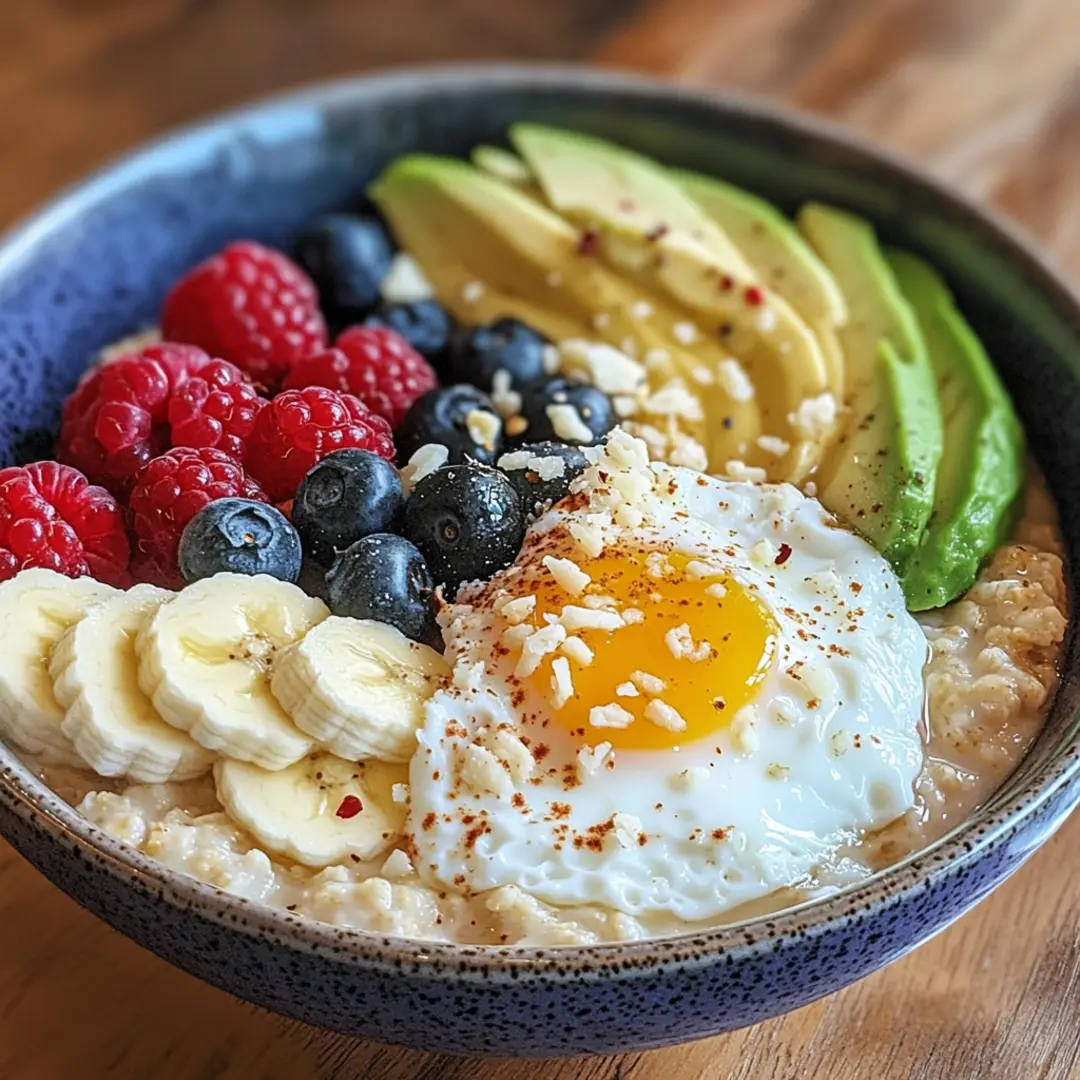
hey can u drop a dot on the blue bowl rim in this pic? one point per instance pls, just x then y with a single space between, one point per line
995 822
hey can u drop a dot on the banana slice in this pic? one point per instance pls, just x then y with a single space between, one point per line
205 661
36 609
321 811
113 725
358 687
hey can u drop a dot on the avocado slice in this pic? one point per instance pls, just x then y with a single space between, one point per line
772 245
466 227
982 466
654 234
879 477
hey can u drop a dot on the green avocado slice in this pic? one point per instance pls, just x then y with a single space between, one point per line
879 476
982 466
652 233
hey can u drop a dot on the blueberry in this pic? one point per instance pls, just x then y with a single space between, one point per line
536 493
442 416
426 325
507 345
385 578
467 521
347 495
239 536
593 408
347 256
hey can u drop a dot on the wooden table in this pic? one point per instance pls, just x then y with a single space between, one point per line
986 92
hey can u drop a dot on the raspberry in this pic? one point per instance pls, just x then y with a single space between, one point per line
300 427
168 493
250 305
50 516
373 363
133 409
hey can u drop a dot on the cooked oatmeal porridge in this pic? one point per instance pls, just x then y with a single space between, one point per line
712 575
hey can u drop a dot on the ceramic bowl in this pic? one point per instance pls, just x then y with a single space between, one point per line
96 263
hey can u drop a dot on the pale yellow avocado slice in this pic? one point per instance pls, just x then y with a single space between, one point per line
469 229
780 256
879 477
656 236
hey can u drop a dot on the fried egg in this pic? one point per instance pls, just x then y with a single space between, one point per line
686 694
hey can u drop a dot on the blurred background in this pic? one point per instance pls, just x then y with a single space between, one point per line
986 92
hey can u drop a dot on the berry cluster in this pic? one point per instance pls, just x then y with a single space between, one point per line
296 383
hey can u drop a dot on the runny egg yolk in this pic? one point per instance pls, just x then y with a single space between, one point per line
701 647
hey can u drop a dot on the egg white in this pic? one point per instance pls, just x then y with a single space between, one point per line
830 749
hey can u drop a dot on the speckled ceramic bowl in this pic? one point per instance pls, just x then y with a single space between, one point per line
96 263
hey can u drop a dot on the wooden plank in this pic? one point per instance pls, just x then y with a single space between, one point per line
983 91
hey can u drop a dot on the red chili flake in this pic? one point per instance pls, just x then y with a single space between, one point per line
658 233
785 554
755 296
589 242
727 283
350 807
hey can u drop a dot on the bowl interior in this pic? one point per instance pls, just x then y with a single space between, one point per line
96 264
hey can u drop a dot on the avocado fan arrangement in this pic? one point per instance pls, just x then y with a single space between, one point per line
867 387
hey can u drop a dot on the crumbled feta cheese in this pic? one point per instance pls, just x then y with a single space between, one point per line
681 644
562 684
656 358
610 716
810 489
632 615
547 468
427 459
473 292
698 568
397 866
743 734
628 829
815 417
626 689
824 582
674 399
734 381
400 793
536 646
739 470
702 375
687 452
591 759
405 282
567 423
763 554
469 676
766 320
573 617
513 637
483 427
590 538
648 684
716 590
507 401
567 574
515 755
628 517
601 320
481 772
773 444
515 609
549 358
685 333
688 779
577 650
664 716
624 405
604 366
641 309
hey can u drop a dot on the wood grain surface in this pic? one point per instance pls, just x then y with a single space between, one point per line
986 92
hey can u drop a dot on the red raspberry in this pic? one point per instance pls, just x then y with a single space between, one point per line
50 516
300 427
168 493
133 409
375 364
250 305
